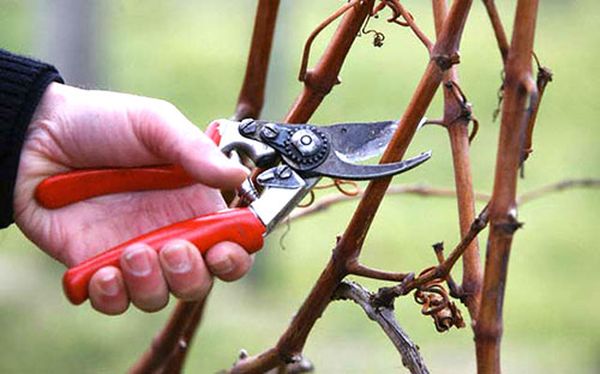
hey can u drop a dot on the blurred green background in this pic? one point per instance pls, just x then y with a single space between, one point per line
193 54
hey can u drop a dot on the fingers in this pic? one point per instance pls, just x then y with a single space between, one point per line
107 291
78 128
228 261
185 271
143 278
173 137
146 278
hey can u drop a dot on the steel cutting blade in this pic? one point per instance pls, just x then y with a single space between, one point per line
354 142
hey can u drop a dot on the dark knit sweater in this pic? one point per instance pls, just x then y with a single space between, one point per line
22 84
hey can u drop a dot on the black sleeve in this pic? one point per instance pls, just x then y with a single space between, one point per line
22 84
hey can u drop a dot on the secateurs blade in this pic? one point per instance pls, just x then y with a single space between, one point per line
293 158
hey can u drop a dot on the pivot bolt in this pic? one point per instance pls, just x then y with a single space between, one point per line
306 142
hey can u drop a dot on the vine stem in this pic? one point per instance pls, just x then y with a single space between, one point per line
503 222
457 116
165 352
501 39
430 191
348 248
252 93
384 316
319 81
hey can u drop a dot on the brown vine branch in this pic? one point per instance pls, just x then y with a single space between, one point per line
358 269
457 116
557 187
503 221
544 76
443 56
319 81
501 38
409 21
169 347
167 340
252 93
176 361
429 191
455 290
417 189
317 84
313 35
384 316
441 271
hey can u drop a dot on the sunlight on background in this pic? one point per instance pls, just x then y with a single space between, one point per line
193 53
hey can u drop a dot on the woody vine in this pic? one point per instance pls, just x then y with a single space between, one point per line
480 292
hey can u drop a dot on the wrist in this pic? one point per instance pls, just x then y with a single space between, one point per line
53 99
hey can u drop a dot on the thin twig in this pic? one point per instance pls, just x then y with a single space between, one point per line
319 81
328 201
557 187
311 38
165 342
358 269
443 56
455 290
166 348
442 270
384 316
416 189
411 23
499 32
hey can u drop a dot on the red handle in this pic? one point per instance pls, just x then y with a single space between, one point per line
63 189
240 226
68 188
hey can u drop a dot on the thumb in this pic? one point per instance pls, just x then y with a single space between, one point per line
167 133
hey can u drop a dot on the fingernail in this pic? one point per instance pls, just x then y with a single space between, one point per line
137 261
177 258
109 285
222 266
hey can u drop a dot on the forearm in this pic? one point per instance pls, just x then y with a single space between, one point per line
22 84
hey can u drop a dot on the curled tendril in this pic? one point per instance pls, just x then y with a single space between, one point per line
378 37
345 187
437 304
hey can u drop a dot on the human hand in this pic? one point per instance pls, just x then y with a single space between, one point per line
73 129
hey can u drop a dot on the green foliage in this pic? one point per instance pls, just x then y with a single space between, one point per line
193 54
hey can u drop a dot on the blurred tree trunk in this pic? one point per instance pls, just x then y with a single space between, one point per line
69 34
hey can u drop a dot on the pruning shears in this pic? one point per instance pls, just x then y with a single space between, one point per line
293 158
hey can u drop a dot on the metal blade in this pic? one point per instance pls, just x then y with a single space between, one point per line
356 142
360 141
334 167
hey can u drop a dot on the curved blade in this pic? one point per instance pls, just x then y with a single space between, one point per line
337 168
360 141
